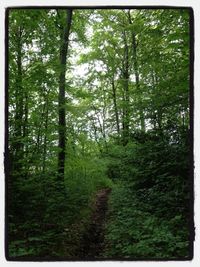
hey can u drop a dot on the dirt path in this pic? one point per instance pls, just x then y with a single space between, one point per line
93 240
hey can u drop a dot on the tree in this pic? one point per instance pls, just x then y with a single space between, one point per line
64 39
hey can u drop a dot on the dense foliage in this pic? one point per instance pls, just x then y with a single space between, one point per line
149 209
98 99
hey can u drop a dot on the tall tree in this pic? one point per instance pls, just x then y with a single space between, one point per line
134 44
64 34
19 96
114 95
125 81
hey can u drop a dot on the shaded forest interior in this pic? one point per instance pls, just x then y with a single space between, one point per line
98 134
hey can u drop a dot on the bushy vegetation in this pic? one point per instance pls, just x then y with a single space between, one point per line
149 206
49 222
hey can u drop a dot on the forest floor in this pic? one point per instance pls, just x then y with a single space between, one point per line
92 244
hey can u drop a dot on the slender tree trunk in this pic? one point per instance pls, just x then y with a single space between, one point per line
18 129
125 78
101 127
25 124
159 114
104 116
61 98
115 106
25 133
136 71
73 139
45 136
95 134
37 154
104 120
16 154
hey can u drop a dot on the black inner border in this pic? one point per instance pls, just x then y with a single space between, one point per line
191 137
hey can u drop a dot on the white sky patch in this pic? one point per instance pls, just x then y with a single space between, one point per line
89 32
132 78
75 101
95 82
80 70
50 71
96 17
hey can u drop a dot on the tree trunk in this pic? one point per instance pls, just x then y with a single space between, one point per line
25 133
16 153
92 119
18 129
45 135
115 106
137 79
61 98
126 101
101 126
159 110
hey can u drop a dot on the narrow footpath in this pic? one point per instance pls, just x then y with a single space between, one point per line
92 243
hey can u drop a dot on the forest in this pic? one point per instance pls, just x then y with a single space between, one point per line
99 134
